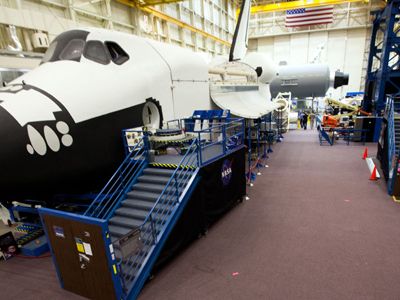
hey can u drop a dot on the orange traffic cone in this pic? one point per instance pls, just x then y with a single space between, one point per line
373 174
365 155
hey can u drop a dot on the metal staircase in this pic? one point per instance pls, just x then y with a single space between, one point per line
393 139
139 201
138 208
141 205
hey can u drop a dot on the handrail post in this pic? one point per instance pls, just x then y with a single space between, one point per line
224 138
146 143
124 140
123 283
199 149
176 188
152 228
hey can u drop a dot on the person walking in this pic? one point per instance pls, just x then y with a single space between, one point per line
312 120
301 115
305 119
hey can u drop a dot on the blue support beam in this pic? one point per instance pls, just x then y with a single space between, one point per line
383 71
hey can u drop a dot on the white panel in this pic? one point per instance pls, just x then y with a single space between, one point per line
185 16
281 48
354 58
217 20
120 12
266 46
298 49
188 37
186 4
317 40
184 64
197 7
198 22
174 32
189 96
207 10
336 50
171 11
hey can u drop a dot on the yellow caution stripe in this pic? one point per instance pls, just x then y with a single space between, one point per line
171 166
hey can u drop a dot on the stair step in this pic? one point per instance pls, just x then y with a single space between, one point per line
153 179
132 213
128 267
143 195
118 231
157 171
138 204
148 187
125 222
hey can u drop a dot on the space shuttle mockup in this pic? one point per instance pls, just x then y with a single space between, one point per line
61 123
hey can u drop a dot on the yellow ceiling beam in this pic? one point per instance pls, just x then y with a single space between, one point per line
175 21
154 2
283 6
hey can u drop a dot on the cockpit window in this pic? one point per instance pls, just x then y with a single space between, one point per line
118 55
96 51
61 42
71 45
73 50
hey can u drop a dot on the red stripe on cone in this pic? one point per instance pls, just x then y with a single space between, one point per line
365 155
373 174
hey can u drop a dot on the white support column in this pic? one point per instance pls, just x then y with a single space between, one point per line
107 5
71 12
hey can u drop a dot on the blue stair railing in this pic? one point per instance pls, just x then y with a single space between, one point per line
323 135
392 166
108 200
155 225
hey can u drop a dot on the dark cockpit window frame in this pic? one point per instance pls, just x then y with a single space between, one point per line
118 55
61 41
99 55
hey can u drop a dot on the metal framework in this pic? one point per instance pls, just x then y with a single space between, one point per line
200 25
383 71
175 21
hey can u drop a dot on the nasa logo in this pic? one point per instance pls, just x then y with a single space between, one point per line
226 172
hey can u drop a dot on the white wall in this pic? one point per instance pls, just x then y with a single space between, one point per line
342 49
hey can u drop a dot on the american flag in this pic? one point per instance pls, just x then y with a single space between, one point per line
309 16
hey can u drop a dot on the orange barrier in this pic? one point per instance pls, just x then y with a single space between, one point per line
365 155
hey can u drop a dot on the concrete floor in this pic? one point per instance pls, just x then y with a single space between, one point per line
315 227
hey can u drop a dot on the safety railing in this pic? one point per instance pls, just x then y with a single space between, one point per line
391 136
216 139
156 221
114 191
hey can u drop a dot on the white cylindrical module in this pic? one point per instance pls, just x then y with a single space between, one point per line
304 81
266 69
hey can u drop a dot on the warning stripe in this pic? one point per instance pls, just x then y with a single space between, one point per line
171 166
